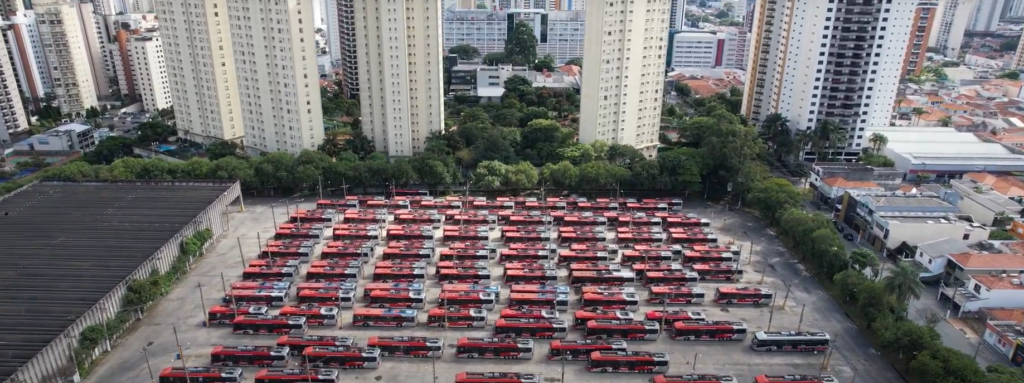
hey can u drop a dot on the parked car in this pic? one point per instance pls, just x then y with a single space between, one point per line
848 236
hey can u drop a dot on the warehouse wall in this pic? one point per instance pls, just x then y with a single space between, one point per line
55 364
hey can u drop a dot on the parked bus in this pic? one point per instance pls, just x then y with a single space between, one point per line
467 300
795 379
274 262
546 288
530 328
673 316
295 242
269 274
400 275
397 299
315 315
298 343
550 248
630 257
494 348
581 349
347 253
521 277
622 329
790 341
593 266
474 246
333 274
692 238
606 289
257 297
529 266
384 317
602 278
610 301
400 264
718 271
260 285
412 254
745 295
465 264
529 313
566 257
693 257
612 250
496 377
225 314
407 346
268 325
329 298
559 302
509 256
636 238
627 361
566 239
297 375
641 269
470 276
676 250
694 378
369 288
336 263
580 319
472 288
333 286
202 375
302 253
249 356
709 330
465 255
341 357
676 295
456 317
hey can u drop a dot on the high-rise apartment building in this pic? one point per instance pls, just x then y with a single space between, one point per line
348 60
917 45
25 52
559 33
677 14
400 73
91 25
815 60
624 75
985 17
724 48
567 5
141 69
951 23
331 29
1018 56
66 50
1012 9
12 113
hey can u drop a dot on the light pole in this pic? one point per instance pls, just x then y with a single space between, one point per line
145 353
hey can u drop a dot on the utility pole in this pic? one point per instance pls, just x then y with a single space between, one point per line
854 380
750 253
259 241
241 255
181 354
771 314
694 369
763 270
223 283
563 369
202 302
320 186
344 188
801 323
786 298
145 352
273 216
976 351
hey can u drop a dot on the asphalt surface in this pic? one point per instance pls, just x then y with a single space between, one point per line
183 310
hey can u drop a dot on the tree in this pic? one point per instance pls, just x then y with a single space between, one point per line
154 132
904 283
517 88
945 365
702 4
547 63
877 141
862 259
221 149
542 139
495 58
359 144
465 52
600 175
683 90
1002 374
776 132
876 160
1009 45
92 112
34 162
946 121
682 168
334 142
624 155
849 283
521 45
773 197
905 338
1000 235
1010 75
577 61
109 150
722 14
826 136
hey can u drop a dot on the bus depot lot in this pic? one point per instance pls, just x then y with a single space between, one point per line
183 309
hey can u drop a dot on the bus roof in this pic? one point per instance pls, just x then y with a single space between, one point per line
393 312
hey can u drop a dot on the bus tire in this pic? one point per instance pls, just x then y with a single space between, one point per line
366 324
661 301
398 325
440 325
247 332
471 356
380 306
728 302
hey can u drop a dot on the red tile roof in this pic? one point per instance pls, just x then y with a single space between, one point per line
1008 262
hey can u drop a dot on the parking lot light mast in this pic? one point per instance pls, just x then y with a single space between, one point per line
145 353
202 303
181 354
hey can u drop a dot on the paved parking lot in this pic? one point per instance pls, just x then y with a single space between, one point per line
183 309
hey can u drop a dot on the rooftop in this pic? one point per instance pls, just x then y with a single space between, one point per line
1005 185
1006 315
987 197
998 282
945 146
989 261
66 246
945 246
841 182
899 201
73 127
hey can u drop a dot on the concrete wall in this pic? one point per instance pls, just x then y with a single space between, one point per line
55 362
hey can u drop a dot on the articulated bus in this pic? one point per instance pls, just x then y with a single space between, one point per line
202 375
269 274
591 266
673 316
602 278
546 288
464 276
630 257
694 378
369 288
341 357
795 379
580 319
523 277
268 325
744 295
397 299
627 361
693 257
465 255
327 298
566 257
249 356
581 349
559 302
671 278
709 330
298 343
622 329
676 295
508 256
467 300
529 266
641 269
225 314
257 297
403 275
315 315
800 341
296 375
494 348
456 317
531 328
385 317
407 346
610 301
333 274
274 262
529 313
463 264
472 288
496 377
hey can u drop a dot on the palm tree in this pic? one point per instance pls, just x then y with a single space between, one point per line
827 135
904 283
918 112
946 121
877 141
775 131
800 142
896 107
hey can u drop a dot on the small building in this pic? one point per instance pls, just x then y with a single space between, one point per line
847 174
985 204
934 255
68 137
963 266
488 82
887 220
1004 332
980 292
945 153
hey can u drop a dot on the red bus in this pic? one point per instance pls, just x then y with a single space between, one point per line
315 315
202 375
274 262
472 288
687 221
456 317
385 317
637 238
296 375
341 357
527 236
597 206
566 257
225 314
428 244
569 238
474 245
627 361
610 301
630 257
407 346
586 221
465 254
269 274
672 316
397 299
547 288
692 257
673 203
298 343
314 234
452 276
602 278
531 328
622 329
718 271
540 265
400 264
336 204
467 300
358 254
506 256
558 302
595 247
268 325
529 313
465 235
496 377
581 349
407 253
291 243
674 249
257 297
333 274
358 234
606 289
676 295
589 266
580 319
694 378
301 253
249 356
418 218
795 379
716 248
671 278
532 277
334 286
442 265
639 229
494 348
550 248
639 220
337 263
403 275
327 298
371 287
640 269
749 295
691 238
709 330
479 218
529 220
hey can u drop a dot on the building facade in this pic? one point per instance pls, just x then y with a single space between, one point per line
148 70
24 50
625 72
559 33
952 21
12 113
985 17
814 60
401 82
349 53
917 45
91 25
1012 9
677 15
65 47
725 48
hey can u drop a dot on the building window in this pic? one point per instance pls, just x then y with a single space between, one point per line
967 236
977 288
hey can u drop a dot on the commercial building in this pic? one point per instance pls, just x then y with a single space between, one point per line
985 17
934 255
983 202
1004 332
725 48
917 45
401 82
68 137
979 292
953 19
559 33
487 82
889 219
624 61
65 46
814 61
944 153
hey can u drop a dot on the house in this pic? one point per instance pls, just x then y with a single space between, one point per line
887 220
1003 332
962 267
933 256
834 187
984 292
955 109
984 203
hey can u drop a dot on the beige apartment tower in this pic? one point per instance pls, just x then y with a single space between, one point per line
398 44
65 47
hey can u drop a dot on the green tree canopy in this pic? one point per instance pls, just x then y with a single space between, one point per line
521 45
465 52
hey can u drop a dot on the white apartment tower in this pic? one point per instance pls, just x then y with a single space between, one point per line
24 47
12 114
677 14
559 33
398 44
149 71
838 61
985 17
953 19
623 80
65 46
